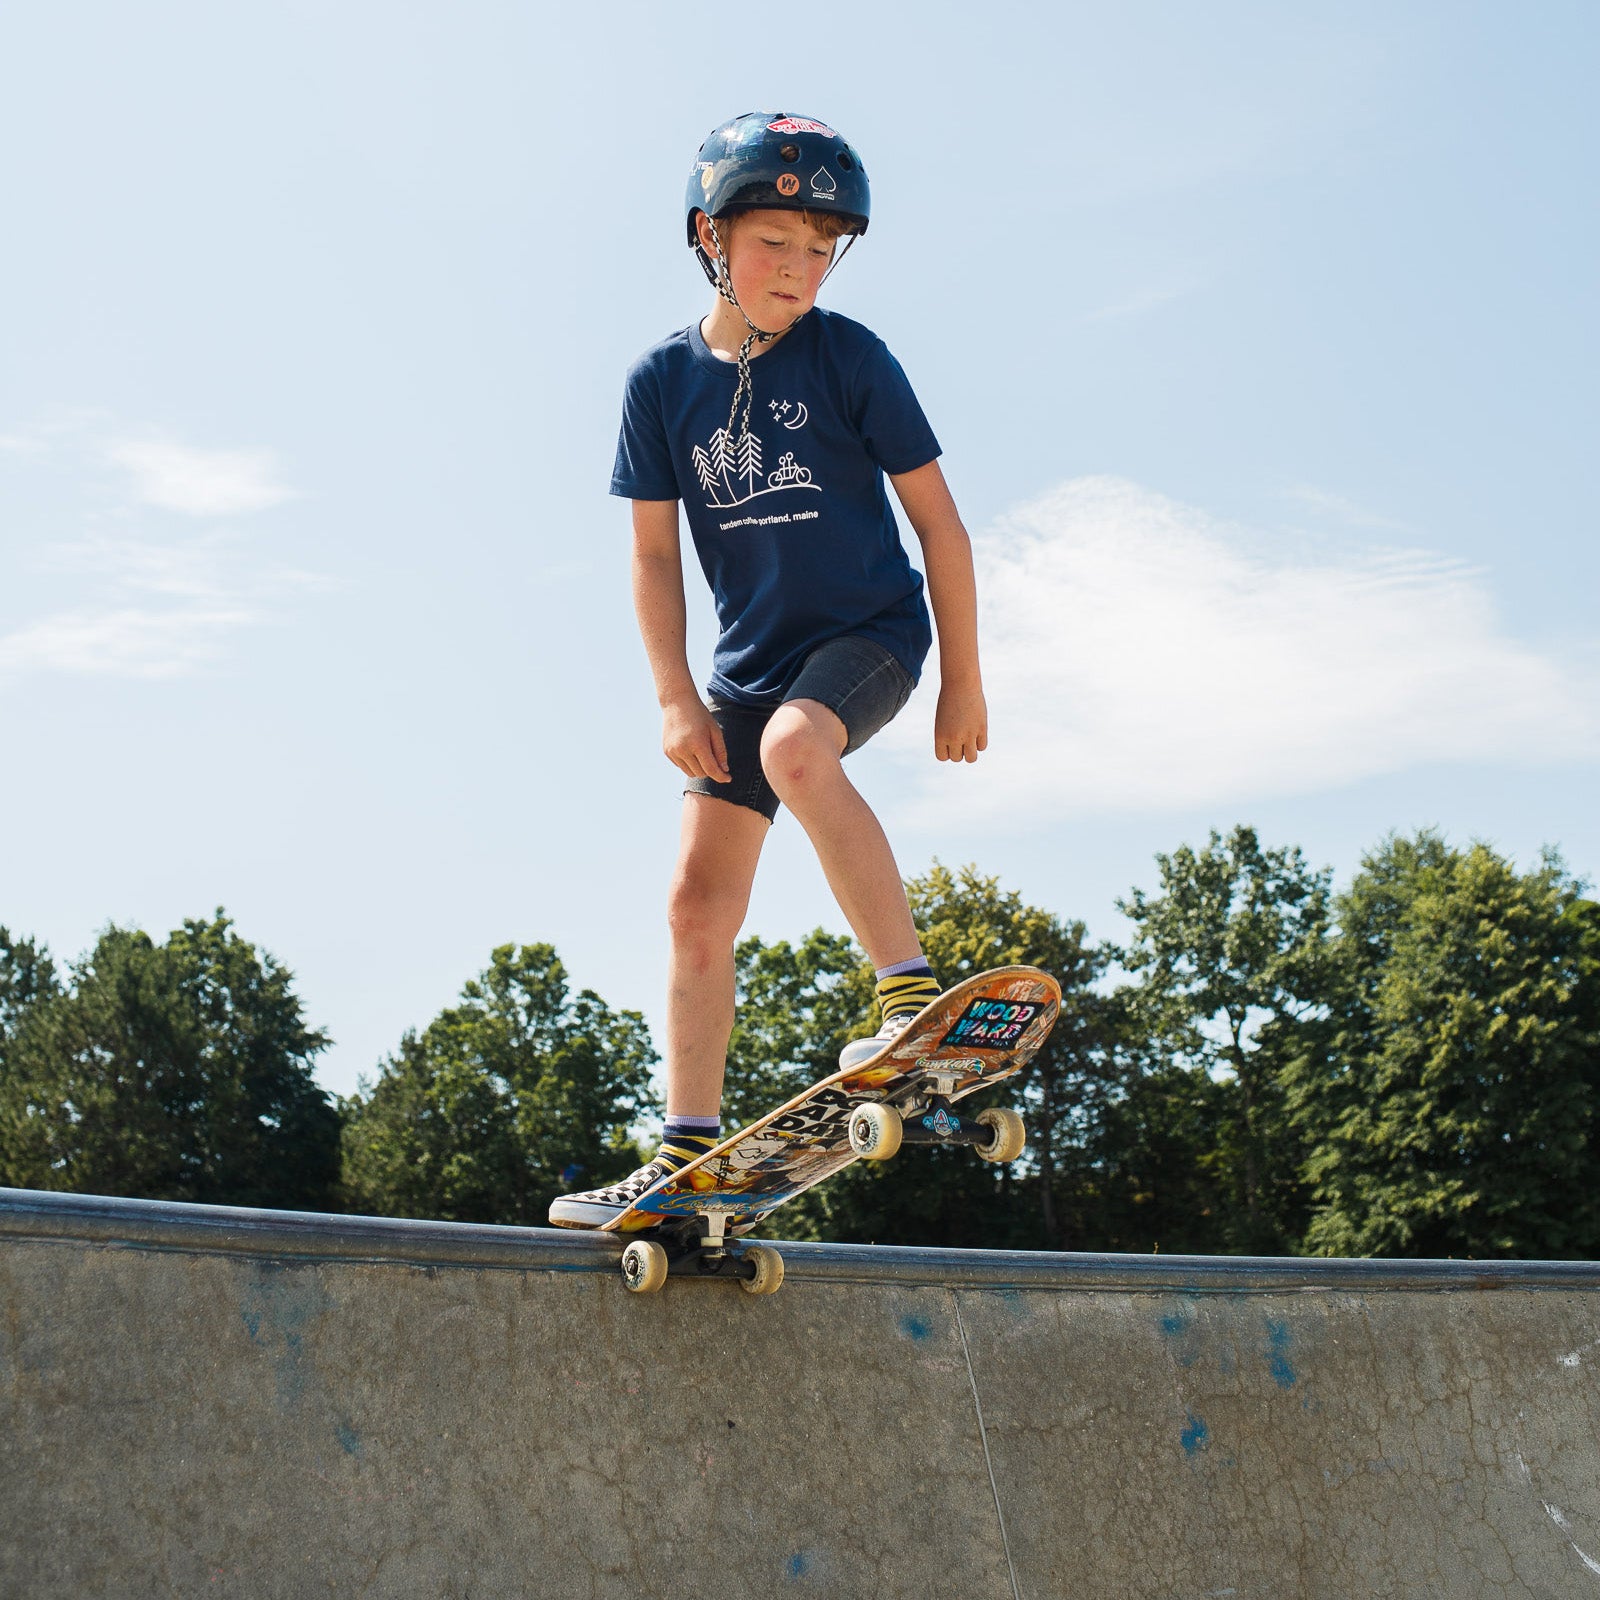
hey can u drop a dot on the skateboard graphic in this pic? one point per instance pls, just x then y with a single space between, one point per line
981 1032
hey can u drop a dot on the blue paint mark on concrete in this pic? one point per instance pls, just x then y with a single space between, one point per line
917 1328
280 1305
1194 1436
799 1564
1179 1326
349 1439
1278 1364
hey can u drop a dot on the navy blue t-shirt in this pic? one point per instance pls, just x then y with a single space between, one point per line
794 531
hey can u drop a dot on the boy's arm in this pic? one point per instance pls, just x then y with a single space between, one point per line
961 723
690 737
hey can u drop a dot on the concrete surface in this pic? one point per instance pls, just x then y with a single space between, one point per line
237 1403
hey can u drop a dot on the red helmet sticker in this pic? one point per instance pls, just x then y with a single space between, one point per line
801 125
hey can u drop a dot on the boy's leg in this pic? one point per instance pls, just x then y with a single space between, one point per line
801 752
718 848
719 845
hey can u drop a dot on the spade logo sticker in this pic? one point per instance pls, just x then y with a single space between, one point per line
823 186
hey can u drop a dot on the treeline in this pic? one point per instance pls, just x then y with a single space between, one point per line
1409 1068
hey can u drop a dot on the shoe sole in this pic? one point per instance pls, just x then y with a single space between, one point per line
581 1214
849 1062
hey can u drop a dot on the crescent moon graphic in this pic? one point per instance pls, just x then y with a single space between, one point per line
801 416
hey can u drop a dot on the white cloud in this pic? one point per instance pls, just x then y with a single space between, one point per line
124 642
154 610
1151 298
1335 507
1140 655
194 569
201 483
144 602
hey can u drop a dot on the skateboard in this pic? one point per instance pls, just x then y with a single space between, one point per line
981 1032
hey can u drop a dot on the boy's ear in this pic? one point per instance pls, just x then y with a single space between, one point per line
702 225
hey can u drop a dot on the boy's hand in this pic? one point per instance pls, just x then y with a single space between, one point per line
693 742
961 724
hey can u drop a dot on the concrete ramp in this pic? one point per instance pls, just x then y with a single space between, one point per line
206 1401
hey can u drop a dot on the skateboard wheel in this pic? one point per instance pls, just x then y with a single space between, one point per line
875 1131
768 1277
644 1266
1010 1134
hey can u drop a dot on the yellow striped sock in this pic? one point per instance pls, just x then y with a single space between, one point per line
906 993
682 1148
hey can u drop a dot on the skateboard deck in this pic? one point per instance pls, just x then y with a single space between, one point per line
981 1032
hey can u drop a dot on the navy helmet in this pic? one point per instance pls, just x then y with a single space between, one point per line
772 160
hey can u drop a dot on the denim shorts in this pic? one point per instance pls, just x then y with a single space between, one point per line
860 682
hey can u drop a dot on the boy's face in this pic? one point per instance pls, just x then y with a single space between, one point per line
777 261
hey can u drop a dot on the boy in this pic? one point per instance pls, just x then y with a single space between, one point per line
780 469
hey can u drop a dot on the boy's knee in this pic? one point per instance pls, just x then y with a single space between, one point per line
794 752
701 911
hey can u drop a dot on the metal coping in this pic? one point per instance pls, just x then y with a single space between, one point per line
40 1216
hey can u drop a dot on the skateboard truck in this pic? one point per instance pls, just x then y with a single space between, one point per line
713 1232
935 1123
878 1129
697 1247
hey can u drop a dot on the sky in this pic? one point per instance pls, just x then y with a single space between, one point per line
1261 341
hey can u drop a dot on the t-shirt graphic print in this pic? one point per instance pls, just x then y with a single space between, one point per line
731 471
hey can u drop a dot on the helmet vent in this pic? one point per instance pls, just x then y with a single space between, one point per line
845 161
789 152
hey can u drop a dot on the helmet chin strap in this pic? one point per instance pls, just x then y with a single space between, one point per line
850 240
743 394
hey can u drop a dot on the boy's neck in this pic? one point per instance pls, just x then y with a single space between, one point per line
724 330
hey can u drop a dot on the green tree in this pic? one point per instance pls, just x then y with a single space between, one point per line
1161 1184
477 1118
176 1071
1454 1111
27 974
1231 959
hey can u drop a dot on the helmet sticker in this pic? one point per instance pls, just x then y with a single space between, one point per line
760 160
801 125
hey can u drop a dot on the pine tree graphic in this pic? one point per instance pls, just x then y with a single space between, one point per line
705 471
750 462
722 462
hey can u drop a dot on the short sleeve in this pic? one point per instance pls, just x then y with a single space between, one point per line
643 469
887 414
